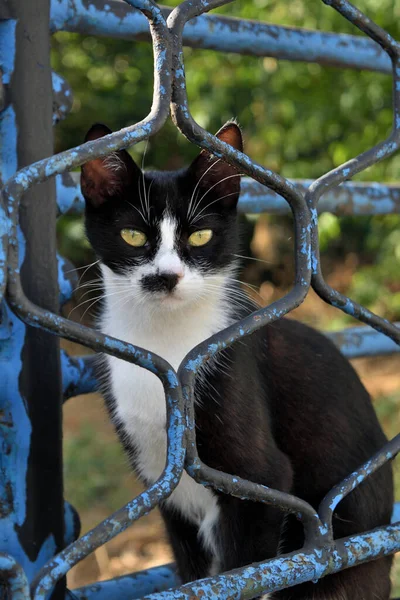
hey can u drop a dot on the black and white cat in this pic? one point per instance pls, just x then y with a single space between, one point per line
282 407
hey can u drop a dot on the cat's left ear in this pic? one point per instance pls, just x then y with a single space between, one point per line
109 176
215 175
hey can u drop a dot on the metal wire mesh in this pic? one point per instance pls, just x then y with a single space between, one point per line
321 555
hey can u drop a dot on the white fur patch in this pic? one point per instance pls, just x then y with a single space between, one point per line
167 259
171 333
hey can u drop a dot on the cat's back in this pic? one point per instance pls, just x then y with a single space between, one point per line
320 410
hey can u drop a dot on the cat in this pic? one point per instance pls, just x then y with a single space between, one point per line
281 407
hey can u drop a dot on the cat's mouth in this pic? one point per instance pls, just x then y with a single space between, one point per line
169 298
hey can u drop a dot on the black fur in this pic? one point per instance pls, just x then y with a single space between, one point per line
287 410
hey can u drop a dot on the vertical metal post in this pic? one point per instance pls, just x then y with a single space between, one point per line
31 494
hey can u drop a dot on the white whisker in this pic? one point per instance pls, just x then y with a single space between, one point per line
197 185
267 262
198 216
101 296
213 186
139 211
83 267
146 200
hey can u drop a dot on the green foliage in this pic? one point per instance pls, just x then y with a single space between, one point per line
94 472
377 286
328 229
299 119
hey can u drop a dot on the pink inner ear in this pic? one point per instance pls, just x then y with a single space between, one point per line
103 177
230 134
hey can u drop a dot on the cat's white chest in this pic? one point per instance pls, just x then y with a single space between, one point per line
140 408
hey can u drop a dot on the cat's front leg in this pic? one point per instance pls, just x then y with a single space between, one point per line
192 559
247 532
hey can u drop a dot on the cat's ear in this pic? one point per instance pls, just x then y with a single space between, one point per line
103 178
215 175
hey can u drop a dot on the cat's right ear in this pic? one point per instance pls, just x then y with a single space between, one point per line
109 176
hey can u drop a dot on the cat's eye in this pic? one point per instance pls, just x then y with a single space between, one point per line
133 237
200 238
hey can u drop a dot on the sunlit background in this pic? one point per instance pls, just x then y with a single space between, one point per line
300 120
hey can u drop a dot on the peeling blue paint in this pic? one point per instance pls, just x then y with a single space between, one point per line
130 587
356 342
67 279
350 198
288 570
195 364
227 35
78 377
62 98
172 379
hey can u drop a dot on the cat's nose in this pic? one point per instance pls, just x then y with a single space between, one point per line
162 282
169 280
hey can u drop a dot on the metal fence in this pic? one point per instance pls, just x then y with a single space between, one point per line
38 530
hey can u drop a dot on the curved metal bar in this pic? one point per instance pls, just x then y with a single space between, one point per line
224 34
78 375
132 586
342 489
62 98
14 577
290 569
203 352
43 169
169 479
37 317
67 279
55 569
351 168
366 25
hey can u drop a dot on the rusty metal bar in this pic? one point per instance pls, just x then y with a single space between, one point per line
224 34
321 555
350 198
31 486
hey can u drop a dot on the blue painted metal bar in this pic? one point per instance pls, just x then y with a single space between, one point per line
342 489
77 375
283 571
67 279
358 342
347 199
55 569
72 524
62 98
30 540
8 136
136 585
350 198
290 569
69 198
354 342
199 355
14 579
224 35
130 587
396 513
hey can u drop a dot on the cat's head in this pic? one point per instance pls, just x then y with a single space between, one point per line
169 237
